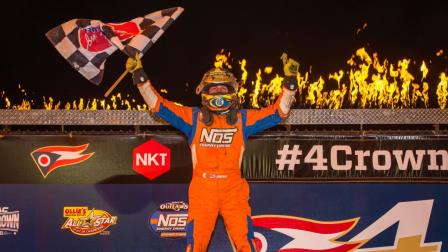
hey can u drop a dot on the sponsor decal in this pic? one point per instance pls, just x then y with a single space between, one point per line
93 39
289 233
9 221
82 221
217 138
49 158
151 159
170 221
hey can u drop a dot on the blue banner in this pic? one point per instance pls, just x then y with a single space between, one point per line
286 217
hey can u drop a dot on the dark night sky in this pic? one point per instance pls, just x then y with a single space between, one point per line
318 33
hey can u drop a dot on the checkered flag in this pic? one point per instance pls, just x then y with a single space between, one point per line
87 43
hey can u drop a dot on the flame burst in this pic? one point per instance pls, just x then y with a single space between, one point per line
367 81
442 90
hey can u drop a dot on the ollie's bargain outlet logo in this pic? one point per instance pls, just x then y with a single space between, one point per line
84 221
151 159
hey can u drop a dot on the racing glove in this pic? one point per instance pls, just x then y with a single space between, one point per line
291 69
134 66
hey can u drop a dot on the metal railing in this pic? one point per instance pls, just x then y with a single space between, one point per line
297 117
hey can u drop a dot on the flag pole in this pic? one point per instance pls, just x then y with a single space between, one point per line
113 86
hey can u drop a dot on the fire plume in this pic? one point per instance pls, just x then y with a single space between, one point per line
366 81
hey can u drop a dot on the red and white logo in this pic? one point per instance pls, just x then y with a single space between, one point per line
151 159
93 39
307 234
49 158
411 219
125 30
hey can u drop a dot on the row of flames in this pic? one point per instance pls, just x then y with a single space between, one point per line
366 82
115 102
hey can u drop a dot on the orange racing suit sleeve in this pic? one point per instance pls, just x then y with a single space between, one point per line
181 117
257 120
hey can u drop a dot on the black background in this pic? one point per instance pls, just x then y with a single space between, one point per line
321 34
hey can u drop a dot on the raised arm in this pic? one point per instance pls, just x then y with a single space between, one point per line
180 117
261 119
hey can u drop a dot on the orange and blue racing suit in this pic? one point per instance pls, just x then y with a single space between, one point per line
217 151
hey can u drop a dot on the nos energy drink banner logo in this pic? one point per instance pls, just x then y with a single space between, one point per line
170 221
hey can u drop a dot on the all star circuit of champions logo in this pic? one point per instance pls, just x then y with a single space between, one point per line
9 221
82 221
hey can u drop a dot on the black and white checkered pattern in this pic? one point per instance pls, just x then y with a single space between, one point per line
152 26
65 39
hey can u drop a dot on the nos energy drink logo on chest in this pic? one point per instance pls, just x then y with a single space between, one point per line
170 221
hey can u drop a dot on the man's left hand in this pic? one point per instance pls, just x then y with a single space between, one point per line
291 69
290 66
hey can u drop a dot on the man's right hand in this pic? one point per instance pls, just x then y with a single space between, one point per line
135 67
133 64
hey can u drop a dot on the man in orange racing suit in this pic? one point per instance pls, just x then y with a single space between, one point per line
217 133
